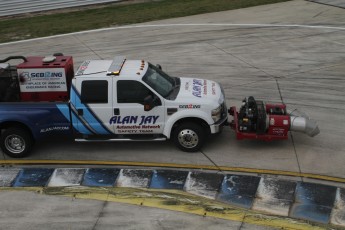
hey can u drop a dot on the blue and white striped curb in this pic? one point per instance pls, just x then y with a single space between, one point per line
100 177
308 201
313 200
275 195
239 190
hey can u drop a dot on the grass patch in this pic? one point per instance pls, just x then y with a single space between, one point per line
114 15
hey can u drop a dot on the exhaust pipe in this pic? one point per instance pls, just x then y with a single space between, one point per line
302 123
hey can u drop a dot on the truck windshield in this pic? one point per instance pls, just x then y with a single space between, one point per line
159 81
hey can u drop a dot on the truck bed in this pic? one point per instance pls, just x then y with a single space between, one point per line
42 118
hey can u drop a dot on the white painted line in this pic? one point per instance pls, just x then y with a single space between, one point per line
198 188
338 211
7 176
180 25
66 177
267 198
133 178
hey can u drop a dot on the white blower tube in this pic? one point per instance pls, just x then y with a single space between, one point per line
304 125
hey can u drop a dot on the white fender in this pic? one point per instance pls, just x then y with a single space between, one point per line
187 113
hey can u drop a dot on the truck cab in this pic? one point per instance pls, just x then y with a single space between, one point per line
124 99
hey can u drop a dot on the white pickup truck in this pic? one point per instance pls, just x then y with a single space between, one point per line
118 100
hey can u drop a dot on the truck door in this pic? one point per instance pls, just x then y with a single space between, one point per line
92 105
129 116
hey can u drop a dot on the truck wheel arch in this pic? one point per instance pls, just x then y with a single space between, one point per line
195 120
186 115
11 124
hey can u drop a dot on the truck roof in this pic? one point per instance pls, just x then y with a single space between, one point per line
118 67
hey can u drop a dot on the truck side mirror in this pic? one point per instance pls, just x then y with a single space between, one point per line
148 103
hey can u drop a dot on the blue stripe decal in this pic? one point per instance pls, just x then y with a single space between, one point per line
73 95
81 128
64 109
89 116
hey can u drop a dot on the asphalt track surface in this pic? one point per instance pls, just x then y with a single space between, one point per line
299 60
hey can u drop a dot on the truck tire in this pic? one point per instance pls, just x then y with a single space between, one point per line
16 142
189 136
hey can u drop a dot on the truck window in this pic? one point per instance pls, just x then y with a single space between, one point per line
131 92
159 81
94 91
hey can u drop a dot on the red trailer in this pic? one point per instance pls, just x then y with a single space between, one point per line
257 120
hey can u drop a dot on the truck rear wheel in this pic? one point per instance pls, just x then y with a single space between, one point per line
16 142
189 137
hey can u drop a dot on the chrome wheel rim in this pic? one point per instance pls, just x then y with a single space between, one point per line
188 138
15 144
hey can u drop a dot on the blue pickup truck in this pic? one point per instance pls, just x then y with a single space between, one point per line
104 100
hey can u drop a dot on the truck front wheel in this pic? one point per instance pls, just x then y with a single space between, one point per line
16 142
189 137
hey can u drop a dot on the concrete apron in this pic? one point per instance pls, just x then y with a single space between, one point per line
228 196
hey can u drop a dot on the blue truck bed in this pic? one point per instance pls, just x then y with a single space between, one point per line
42 118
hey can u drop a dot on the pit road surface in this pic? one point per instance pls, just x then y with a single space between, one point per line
302 66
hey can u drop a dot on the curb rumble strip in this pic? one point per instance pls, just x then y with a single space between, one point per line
171 165
260 200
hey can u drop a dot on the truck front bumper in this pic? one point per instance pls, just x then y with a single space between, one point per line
218 126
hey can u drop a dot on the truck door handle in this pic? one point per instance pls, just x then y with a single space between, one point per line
116 111
80 112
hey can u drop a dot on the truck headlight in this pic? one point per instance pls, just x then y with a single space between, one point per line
216 113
